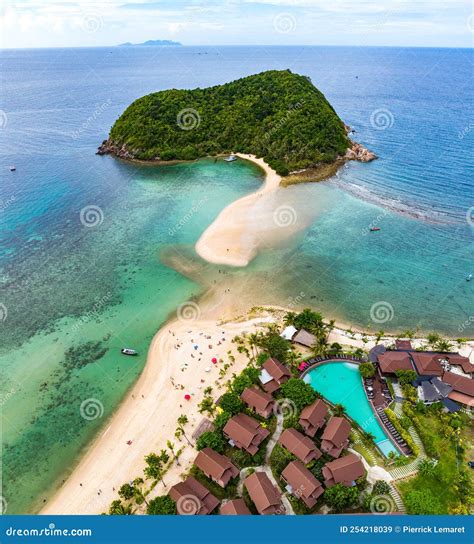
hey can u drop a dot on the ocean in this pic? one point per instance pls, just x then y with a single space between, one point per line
87 241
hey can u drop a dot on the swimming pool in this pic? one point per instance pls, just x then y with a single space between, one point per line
340 383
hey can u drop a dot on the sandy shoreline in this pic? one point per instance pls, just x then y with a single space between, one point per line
232 238
148 415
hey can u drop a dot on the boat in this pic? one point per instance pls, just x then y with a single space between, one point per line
12 168
374 229
469 277
128 351
230 158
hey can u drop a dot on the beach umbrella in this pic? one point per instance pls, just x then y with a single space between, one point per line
214 360
187 397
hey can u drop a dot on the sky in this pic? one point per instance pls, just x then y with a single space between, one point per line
89 23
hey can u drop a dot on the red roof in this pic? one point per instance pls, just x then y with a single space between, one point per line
462 384
343 470
236 507
299 445
264 495
427 364
403 344
192 498
391 361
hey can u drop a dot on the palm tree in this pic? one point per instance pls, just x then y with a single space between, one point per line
339 410
379 335
155 465
117 508
182 421
426 467
138 490
174 454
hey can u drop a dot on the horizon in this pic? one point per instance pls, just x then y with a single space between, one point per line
40 24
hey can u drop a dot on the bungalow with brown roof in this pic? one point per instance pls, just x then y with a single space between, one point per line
302 484
391 361
299 445
245 433
264 495
192 498
403 345
273 375
305 338
335 436
216 466
313 417
345 470
463 388
235 507
258 400
427 364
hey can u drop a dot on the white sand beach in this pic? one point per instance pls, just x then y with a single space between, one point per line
234 237
148 416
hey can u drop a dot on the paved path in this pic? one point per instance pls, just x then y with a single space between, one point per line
411 468
266 468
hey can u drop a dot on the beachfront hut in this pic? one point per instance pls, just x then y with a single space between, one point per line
264 495
299 445
335 436
345 470
301 483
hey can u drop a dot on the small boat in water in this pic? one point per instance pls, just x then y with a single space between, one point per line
469 277
230 158
12 168
128 351
374 229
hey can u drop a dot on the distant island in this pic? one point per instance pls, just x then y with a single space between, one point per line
277 115
159 43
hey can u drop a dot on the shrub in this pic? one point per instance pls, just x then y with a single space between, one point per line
381 487
367 370
231 403
422 503
279 458
341 497
299 392
163 505
211 439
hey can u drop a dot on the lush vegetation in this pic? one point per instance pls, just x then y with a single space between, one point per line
442 486
402 431
405 377
301 394
277 115
367 370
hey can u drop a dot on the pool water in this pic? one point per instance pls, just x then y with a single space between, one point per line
341 383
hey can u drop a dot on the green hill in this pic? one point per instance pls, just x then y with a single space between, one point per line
277 115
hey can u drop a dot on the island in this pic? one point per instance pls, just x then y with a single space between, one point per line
276 115
157 43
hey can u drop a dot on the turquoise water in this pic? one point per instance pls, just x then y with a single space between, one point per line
341 383
72 295
79 294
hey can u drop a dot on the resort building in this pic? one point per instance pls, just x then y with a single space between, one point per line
462 388
259 401
313 417
235 507
273 375
304 338
427 364
335 436
302 484
215 466
391 361
345 470
403 345
245 433
264 495
192 498
289 332
299 445
433 390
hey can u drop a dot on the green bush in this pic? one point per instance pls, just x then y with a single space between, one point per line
402 432
211 439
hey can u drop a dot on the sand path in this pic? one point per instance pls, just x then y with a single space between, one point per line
234 237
